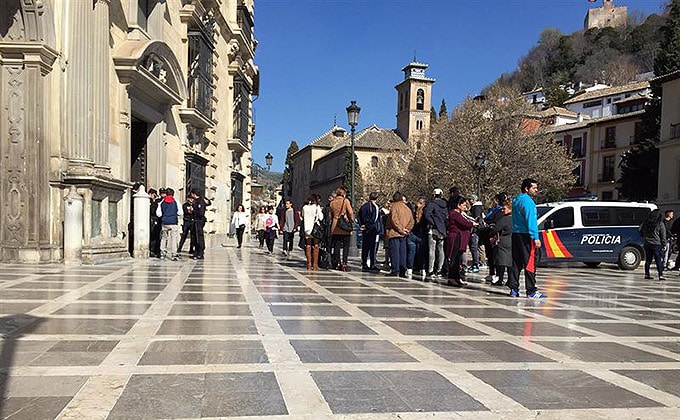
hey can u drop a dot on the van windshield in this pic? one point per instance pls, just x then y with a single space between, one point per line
541 210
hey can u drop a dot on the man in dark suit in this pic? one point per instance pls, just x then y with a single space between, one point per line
371 227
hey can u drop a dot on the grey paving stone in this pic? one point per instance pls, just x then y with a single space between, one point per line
294 298
207 327
307 310
210 309
602 352
100 308
339 327
628 329
370 300
482 352
665 380
432 328
486 313
562 389
533 328
398 312
349 351
80 326
210 297
121 296
32 408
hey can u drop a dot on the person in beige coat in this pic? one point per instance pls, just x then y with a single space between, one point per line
399 224
340 238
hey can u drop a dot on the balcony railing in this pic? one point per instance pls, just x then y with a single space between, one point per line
608 144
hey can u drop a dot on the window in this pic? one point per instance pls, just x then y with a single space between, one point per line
595 216
578 175
200 80
401 101
562 218
420 99
609 138
592 104
577 147
419 125
144 8
374 161
608 163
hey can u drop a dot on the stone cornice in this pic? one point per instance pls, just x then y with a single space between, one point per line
29 53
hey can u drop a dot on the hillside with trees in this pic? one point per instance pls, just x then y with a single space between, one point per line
612 56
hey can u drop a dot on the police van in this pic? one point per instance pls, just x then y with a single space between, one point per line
592 232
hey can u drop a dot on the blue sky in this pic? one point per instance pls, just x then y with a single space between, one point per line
317 55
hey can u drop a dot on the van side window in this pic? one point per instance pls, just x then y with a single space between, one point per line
562 218
595 216
632 216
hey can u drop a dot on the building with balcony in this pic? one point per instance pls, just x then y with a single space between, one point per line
99 95
669 141
604 101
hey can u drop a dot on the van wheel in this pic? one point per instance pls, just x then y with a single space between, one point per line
592 264
629 258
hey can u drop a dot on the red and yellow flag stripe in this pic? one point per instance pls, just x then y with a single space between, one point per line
554 248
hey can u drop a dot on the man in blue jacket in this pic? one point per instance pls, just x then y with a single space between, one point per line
436 215
525 241
371 227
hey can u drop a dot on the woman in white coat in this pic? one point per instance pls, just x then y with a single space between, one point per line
239 221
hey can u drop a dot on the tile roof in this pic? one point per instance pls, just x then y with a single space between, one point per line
601 93
585 123
329 138
373 137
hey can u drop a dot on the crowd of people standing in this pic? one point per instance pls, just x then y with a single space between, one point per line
426 239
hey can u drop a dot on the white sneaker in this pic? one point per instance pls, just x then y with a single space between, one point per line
495 279
422 274
409 273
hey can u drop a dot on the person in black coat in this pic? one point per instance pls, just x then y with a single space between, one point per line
371 226
501 235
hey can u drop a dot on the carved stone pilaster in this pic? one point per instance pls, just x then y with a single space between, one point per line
101 86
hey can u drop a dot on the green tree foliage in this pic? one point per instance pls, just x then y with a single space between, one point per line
443 112
347 178
433 116
287 177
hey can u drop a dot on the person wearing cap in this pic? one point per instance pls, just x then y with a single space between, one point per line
371 228
399 225
436 216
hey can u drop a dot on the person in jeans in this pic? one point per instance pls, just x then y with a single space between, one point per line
654 231
289 220
668 217
239 221
340 207
260 227
312 214
399 225
371 227
525 241
169 212
436 215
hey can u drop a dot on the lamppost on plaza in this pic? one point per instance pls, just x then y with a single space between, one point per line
353 119
480 165
268 159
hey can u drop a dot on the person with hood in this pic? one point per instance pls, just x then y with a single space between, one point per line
653 230
399 225
436 216
169 212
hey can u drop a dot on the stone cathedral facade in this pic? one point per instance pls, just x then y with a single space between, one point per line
100 94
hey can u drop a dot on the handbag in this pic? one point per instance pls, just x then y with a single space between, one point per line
317 230
343 222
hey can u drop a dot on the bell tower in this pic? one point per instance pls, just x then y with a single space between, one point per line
414 100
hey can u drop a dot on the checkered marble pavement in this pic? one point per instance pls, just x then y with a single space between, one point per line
244 334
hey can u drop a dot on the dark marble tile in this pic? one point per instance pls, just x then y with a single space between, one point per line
307 310
371 300
133 287
80 326
482 352
295 298
216 309
210 297
31 294
284 289
31 285
593 303
392 391
18 307
92 308
242 394
645 314
432 328
231 352
120 296
161 396
533 328
32 408
665 380
211 288
349 351
566 314
44 386
486 313
562 389
626 329
341 284
448 300
207 327
342 291
667 345
399 312
338 327
602 352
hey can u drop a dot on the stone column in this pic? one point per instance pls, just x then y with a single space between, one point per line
76 106
142 223
100 66
73 228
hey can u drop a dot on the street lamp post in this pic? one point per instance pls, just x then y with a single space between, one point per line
353 119
269 159
480 165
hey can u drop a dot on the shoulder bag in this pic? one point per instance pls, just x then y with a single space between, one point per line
343 221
